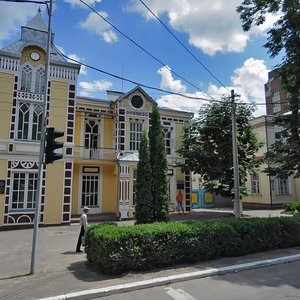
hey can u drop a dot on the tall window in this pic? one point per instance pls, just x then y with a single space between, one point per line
134 186
90 190
91 136
255 188
40 80
33 79
167 129
283 186
23 191
26 79
135 132
29 121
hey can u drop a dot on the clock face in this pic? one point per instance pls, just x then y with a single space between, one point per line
34 56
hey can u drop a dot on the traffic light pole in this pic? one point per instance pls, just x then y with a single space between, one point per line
237 201
42 147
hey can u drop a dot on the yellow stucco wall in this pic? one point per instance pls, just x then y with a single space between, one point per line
54 193
6 94
26 56
55 171
179 134
58 105
3 173
109 194
109 127
75 189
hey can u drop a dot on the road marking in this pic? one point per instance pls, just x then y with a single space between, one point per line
179 294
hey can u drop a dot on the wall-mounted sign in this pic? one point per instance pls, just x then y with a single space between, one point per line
2 186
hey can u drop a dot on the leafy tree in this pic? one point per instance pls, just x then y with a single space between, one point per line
207 146
144 201
159 168
283 38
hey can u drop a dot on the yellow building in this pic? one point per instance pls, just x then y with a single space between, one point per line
101 139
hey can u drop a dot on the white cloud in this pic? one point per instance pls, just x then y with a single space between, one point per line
213 26
96 25
88 88
251 77
11 18
83 70
181 103
248 81
74 3
168 82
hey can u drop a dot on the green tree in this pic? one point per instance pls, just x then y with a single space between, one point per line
159 168
144 201
283 39
207 146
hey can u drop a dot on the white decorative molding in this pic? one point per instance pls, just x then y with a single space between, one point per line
62 73
22 95
10 65
34 149
2 147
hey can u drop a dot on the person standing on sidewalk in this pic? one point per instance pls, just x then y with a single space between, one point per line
179 199
83 226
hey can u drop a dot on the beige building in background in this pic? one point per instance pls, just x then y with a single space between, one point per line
268 191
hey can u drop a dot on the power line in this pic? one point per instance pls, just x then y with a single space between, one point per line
27 1
178 40
144 50
137 83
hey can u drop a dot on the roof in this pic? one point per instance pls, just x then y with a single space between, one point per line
37 23
35 33
130 157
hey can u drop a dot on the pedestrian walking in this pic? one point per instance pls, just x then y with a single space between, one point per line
83 226
179 199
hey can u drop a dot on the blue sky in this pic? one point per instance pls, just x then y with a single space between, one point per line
211 30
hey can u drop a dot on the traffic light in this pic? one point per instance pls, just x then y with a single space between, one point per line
52 145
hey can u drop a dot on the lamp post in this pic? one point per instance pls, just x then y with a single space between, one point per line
42 147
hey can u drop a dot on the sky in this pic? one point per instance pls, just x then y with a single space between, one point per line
217 55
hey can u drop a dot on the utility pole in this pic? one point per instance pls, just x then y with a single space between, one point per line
42 146
237 201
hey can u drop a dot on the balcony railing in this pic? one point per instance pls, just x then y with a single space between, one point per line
102 154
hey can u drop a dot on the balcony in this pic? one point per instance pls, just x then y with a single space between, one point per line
97 154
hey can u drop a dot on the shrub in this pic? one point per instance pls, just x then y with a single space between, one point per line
292 206
111 249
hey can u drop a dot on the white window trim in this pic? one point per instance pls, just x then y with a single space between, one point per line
288 186
97 209
26 191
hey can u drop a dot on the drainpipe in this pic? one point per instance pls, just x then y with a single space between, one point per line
267 143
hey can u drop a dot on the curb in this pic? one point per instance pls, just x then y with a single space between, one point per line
122 288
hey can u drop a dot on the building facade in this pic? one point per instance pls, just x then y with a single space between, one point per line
276 97
267 191
101 139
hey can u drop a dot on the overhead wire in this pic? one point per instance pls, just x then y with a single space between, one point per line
143 49
137 83
181 43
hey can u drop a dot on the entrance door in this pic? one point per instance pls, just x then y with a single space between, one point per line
90 192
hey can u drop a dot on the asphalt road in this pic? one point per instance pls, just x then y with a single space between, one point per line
276 283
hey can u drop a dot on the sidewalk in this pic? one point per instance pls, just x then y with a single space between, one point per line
59 270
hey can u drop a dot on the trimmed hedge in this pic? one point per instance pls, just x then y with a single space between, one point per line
112 250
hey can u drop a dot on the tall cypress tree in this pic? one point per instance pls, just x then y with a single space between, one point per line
159 168
144 202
